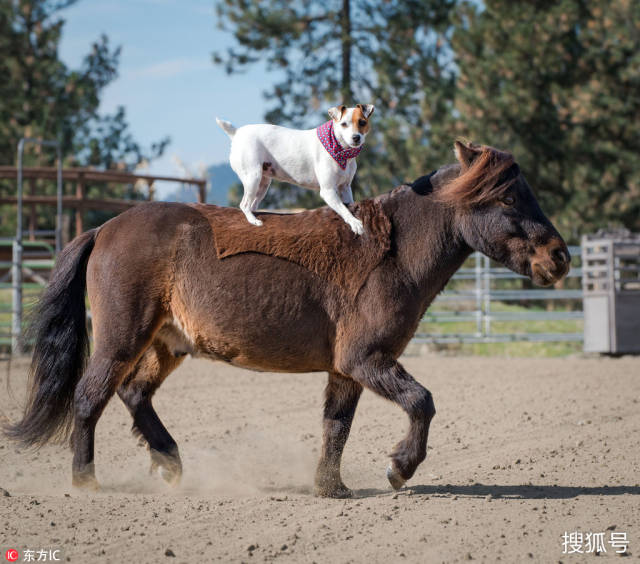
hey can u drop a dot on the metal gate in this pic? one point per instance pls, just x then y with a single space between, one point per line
17 266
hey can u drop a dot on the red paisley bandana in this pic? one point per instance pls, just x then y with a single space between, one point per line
331 144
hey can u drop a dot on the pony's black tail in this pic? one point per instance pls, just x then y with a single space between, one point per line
61 348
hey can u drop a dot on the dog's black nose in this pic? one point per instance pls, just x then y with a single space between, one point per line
356 138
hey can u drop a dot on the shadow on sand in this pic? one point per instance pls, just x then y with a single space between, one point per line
279 493
506 492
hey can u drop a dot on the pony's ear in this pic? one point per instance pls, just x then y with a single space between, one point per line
465 153
366 109
336 112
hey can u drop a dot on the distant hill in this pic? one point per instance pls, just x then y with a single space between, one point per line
220 178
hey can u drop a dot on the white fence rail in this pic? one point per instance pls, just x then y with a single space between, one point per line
474 291
473 297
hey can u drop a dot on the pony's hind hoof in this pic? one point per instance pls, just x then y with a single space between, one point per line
171 475
169 465
394 477
86 482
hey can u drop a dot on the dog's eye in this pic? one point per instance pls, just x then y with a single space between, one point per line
362 123
508 200
344 124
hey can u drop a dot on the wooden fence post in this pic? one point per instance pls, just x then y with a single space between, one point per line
202 192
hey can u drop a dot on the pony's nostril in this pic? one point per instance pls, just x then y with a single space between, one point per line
560 255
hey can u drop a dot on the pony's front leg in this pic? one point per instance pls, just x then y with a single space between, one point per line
388 378
341 398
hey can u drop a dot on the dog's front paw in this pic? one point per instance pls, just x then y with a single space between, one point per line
255 221
356 226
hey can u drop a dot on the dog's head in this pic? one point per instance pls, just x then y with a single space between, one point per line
351 125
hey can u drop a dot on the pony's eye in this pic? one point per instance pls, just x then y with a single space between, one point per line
344 124
508 200
362 123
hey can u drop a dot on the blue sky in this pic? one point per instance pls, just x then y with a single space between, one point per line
167 82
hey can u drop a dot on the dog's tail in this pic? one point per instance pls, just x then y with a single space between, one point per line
226 127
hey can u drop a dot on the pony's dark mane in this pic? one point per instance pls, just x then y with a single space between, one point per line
486 179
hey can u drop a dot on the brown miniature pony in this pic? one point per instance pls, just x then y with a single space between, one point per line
159 290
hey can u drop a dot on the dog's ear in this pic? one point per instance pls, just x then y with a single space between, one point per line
337 112
465 153
366 109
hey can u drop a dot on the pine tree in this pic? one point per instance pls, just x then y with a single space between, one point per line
41 97
392 54
557 83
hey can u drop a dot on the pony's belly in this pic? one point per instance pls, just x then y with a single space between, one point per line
256 311
284 349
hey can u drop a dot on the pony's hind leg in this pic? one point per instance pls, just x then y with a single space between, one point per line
341 399
120 339
136 392
388 378
93 392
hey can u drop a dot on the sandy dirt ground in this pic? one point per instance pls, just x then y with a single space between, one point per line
521 451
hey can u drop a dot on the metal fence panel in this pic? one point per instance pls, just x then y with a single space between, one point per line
474 292
611 282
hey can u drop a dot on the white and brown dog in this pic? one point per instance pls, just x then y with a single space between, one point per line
320 159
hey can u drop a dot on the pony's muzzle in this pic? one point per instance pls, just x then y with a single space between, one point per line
550 263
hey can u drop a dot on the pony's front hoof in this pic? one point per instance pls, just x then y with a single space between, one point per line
328 482
336 492
394 477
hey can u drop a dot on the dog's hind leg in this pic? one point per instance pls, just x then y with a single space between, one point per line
136 392
251 182
265 182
